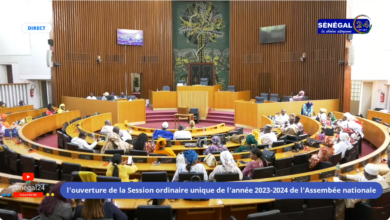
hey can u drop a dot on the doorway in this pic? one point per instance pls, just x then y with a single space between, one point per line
365 103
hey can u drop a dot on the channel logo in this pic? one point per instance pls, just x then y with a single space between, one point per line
36 28
28 176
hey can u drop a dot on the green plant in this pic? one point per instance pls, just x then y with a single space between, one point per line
136 82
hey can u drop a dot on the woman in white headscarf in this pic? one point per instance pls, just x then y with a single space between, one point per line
228 166
343 145
349 121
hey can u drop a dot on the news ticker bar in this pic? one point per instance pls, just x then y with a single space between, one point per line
222 190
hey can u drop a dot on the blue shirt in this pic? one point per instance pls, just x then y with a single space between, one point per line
163 134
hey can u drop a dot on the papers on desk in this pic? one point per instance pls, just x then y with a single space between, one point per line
336 179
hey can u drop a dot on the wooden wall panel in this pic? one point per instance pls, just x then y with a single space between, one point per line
280 71
85 29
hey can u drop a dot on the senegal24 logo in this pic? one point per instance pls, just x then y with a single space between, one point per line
362 24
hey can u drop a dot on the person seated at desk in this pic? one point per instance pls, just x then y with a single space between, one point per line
163 132
349 121
343 145
113 94
290 128
331 118
281 118
191 166
114 142
142 143
125 136
216 146
268 137
385 173
62 109
56 207
324 154
4 121
107 128
21 103
122 96
250 143
104 97
228 166
119 168
321 116
192 125
82 143
297 121
371 174
91 96
292 116
299 96
98 209
161 149
307 109
258 161
181 133
2 104
50 110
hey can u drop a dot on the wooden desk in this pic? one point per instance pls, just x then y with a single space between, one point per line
16 109
224 100
247 114
177 116
93 123
17 116
384 116
210 89
163 100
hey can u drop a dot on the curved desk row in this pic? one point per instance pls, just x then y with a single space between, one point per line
16 109
17 116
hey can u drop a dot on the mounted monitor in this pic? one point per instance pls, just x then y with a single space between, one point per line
273 34
130 37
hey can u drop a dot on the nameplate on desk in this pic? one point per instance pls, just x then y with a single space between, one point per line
327 174
65 154
25 143
140 160
34 146
363 163
244 156
301 179
50 151
85 157
348 168
107 158
167 160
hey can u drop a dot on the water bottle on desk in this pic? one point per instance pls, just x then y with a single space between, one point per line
204 129
337 169
93 136
157 90
10 134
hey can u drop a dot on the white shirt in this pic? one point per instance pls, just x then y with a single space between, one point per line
222 169
281 119
342 147
322 116
124 135
89 97
107 129
83 143
268 138
198 168
182 134
104 98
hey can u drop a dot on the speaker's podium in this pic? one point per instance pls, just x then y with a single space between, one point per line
197 96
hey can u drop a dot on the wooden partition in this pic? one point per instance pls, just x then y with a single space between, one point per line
210 89
94 123
265 121
224 100
17 116
16 109
384 116
248 114
46 124
195 99
163 100
132 111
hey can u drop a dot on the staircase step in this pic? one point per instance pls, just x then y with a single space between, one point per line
221 113
221 117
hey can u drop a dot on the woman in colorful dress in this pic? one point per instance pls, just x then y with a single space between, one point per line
324 154
257 162
216 146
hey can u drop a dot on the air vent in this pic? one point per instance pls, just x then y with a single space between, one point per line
78 57
114 58
148 59
254 58
289 57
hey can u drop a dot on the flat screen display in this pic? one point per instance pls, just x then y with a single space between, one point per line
273 34
130 37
